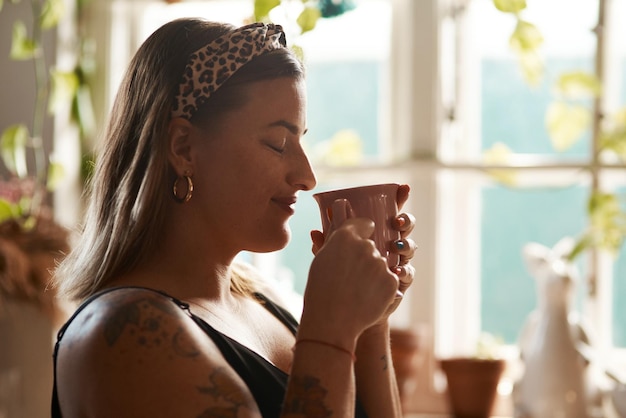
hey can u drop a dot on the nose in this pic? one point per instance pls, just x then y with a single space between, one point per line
301 175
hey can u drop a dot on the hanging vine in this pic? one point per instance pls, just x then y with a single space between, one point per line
574 111
24 193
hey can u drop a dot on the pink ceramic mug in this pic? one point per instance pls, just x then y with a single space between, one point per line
376 202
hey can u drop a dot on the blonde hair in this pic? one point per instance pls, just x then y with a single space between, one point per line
132 180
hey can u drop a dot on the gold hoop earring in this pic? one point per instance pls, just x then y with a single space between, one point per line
189 193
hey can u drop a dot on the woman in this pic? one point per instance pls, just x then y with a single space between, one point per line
202 161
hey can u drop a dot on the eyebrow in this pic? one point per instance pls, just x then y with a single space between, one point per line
289 126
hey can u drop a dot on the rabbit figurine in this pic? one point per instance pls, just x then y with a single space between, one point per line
553 383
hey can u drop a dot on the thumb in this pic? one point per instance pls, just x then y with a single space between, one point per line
362 227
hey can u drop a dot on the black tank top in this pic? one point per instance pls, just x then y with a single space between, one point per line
266 382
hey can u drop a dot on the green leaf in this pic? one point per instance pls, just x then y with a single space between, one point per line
532 67
56 173
29 223
578 85
308 18
64 86
613 136
13 149
566 123
500 154
81 4
1 4
298 51
510 6
525 37
262 8
52 12
22 47
24 205
608 221
82 111
583 243
7 210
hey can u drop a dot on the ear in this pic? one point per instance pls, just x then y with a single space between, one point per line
180 147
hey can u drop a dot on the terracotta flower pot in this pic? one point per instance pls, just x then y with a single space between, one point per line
472 385
407 346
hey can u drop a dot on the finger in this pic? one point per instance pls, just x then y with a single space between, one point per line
406 275
317 237
404 222
402 195
405 248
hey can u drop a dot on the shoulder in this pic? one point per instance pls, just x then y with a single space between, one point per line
135 352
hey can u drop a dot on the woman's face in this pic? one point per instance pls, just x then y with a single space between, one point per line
251 166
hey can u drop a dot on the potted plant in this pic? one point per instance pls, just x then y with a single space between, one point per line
472 381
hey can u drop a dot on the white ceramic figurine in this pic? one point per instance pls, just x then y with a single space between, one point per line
553 383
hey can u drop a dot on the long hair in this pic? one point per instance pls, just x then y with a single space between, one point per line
133 178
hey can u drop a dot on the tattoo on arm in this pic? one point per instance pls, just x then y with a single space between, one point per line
142 320
307 399
126 315
385 361
228 397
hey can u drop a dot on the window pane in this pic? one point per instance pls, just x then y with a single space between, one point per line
347 80
512 218
619 300
619 289
344 96
512 111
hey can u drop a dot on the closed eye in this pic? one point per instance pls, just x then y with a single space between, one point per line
277 146
279 150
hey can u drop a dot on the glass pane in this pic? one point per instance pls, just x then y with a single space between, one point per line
344 97
347 74
619 289
512 218
619 300
512 111
618 11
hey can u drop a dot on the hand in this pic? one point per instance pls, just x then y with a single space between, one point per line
404 223
349 286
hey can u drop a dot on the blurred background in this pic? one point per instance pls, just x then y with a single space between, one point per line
506 118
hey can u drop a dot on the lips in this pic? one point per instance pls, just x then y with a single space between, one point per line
286 203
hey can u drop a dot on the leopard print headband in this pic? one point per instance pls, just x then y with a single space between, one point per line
210 66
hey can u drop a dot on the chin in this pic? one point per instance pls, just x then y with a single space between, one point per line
272 242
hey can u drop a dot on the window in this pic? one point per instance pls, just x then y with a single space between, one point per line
427 87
